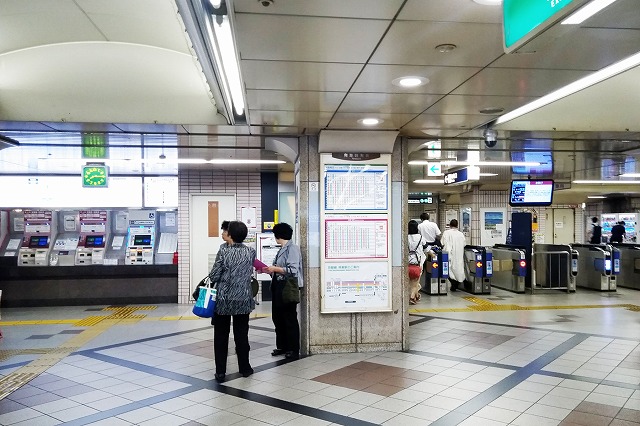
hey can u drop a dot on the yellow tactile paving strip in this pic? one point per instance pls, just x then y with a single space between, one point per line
480 304
51 356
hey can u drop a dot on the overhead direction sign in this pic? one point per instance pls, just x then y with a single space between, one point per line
433 149
434 169
462 175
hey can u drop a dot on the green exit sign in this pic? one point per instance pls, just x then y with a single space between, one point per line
95 176
525 19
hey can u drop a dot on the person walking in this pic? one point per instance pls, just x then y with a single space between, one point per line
415 260
453 242
618 232
232 271
594 232
430 237
288 262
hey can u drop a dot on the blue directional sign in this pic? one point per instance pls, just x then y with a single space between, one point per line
434 169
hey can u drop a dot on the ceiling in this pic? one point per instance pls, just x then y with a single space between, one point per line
128 66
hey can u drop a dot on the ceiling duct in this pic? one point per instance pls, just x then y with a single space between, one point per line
7 142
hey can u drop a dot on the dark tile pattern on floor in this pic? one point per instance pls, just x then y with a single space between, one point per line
205 348
40 336
71 331
471 338
374 378
594 414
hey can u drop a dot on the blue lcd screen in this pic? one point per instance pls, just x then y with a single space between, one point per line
35 242
142 240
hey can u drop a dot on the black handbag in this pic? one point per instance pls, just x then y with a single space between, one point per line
255 286
290 291
203 283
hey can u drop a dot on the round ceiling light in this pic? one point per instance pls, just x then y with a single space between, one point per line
370 121
446 47
492 110
410 81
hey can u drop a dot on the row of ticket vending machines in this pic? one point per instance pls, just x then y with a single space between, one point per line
39 237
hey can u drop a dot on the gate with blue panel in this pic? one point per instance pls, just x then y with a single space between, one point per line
478 265
510 267
436 285
599 266
629 265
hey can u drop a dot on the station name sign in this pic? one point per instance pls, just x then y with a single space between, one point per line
463 175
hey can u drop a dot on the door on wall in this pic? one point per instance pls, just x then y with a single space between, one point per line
207 212
563 226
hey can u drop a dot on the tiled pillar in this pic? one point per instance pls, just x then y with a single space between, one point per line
349 332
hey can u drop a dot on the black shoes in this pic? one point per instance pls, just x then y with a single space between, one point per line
220 377
292 355
277 352
247 373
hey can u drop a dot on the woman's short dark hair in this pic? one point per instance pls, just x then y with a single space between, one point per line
225 225
413 227
237 231
283 231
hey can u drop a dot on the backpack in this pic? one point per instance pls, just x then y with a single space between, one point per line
414 259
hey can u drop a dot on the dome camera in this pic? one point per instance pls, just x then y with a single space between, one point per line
490 137
266 3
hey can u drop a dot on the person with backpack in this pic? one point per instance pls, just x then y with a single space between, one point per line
415 260
594 233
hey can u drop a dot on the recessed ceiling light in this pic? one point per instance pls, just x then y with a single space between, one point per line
489 2
492 110
370 121
410 81
446 47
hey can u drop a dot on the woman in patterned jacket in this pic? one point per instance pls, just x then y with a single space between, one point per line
232 272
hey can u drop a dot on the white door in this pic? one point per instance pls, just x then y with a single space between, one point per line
563 226
207 212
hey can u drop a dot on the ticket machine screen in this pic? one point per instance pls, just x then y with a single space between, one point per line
38 242
94 241
142 240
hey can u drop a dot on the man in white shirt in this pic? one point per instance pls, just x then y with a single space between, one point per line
429 230
453 242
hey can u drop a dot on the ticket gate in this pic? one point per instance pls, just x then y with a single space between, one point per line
629 265
555 267
598 266
510 267
436 284
478 269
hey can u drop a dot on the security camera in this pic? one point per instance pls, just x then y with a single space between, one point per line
490 137
266 3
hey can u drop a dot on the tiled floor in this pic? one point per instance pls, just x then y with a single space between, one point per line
571 359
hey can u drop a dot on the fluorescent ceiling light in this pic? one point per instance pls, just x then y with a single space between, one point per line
489 2
615 182
598 76
238 161
586 12
631 175
172 161
596 196
226 44
433 181
215 3
488 174
489 163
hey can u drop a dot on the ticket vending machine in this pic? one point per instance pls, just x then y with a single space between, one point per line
64 249
141 237
39 233
11 243
167 237
93 237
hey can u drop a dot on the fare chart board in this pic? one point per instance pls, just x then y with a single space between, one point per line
356 268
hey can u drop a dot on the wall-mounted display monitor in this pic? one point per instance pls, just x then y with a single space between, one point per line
526 193
142 240
38 242
545 158
94 241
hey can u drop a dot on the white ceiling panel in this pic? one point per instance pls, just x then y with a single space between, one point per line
309 76
294 100
518 81
362 9
456 122
470 104
307 39
442 80
349 120
414 43
450 11
291 118
398 103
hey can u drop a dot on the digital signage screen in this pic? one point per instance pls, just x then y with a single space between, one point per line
545 158
526 193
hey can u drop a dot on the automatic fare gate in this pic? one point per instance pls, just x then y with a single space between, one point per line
478 269
629 265
555 267
437 284
510 267
598 266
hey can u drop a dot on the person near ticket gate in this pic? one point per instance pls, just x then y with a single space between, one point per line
430 237
617 232
415 260
453 242
594 232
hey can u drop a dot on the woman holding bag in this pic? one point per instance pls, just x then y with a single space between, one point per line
232 271
286 265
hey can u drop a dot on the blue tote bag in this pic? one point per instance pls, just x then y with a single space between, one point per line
206 304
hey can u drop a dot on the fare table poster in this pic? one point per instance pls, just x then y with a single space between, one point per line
355 263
